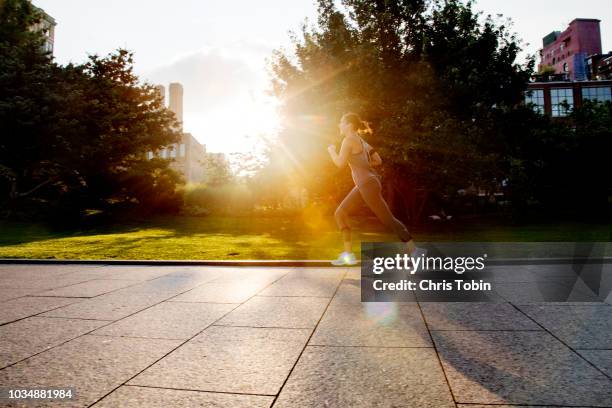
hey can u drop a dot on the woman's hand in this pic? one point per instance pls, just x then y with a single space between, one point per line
339 159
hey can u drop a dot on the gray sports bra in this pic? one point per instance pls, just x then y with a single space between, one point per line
361 170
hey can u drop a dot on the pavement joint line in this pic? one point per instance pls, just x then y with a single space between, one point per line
7 300
135 337
308 340
66 297
32 315
262 327
562 342
73 318
202 391
375 347
212 303
486 330
86 333
294 296
35 294
435 349
58 287
185 341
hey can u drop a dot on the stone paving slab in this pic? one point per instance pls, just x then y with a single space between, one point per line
229 359
138 273
222 292
169 320
475 316
579 326
41 283
514 367
19 308
111 306
93 365
352 273
168 284
256 276
359 377
123 302
288 312
297 286
602 359
349 292
32 271
27 337
315 273
90 288
202 274
373 325
8 294
138 397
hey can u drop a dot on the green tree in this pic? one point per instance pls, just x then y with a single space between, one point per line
436 84
75 137
218 171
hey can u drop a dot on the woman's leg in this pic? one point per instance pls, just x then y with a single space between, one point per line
371 191
342 217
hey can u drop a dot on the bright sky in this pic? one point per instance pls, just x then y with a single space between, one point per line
217 49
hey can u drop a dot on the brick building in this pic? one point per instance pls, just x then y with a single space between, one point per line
547 97
567 51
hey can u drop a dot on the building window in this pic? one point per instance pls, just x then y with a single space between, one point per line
182 150
557 97
163 153
536 98
599 94
149 155
565 68
171 151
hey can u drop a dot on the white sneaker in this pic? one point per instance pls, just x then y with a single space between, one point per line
345 258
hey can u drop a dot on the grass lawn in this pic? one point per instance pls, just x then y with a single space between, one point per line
217 237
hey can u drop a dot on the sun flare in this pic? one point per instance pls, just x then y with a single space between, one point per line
245 125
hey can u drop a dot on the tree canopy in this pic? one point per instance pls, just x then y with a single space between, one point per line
438 82
75 137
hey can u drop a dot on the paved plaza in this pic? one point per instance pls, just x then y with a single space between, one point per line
195 336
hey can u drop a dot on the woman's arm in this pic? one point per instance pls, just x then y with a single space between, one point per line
375 159
341 158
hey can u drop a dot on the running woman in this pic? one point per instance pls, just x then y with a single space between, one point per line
361 157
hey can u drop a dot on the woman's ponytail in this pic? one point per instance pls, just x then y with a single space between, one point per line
361 126
364 128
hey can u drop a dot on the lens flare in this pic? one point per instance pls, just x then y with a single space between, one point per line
383 313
